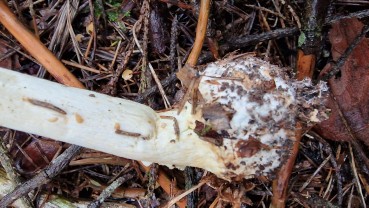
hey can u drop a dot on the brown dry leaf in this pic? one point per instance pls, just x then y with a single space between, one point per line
40 152
351 89
186 74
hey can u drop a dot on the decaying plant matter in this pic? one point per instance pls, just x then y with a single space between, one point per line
242 124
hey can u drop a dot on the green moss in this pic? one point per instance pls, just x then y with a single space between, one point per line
302 39
113 12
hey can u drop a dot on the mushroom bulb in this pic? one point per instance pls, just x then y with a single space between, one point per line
242 125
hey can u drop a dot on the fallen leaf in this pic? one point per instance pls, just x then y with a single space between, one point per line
186 74
351 88
41 152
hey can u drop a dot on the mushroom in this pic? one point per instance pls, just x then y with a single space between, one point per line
242 125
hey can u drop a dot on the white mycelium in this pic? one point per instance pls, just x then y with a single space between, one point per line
242 126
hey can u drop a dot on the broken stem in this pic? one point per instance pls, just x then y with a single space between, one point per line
242 125
100 122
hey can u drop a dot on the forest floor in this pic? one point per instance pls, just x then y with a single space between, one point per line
109 44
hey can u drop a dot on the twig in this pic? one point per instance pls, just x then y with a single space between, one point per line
349 203
146 77
190 180
246 40
173 43
109 190
70 63
89 44
311 31
43 177
359 15
314 174
179 197
200 33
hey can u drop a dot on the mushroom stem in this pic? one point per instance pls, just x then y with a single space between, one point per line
242 125
97 121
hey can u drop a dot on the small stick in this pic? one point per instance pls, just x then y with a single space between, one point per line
315 173
173 43
80 66
200 33
359 15
109 190
179 197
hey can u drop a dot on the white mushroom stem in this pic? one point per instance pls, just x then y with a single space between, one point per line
233 133
112 125
116 126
